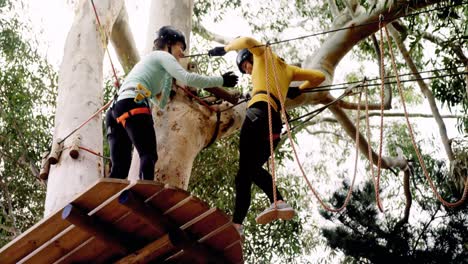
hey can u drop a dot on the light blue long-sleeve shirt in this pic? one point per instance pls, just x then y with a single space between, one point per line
156 70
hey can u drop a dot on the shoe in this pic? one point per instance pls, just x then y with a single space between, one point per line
240 230
282 211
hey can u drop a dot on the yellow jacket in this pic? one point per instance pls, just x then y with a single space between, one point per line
285 73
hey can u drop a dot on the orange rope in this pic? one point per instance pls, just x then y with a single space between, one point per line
382 87
371 159
283 112
104 107
93 152
270 126
418 154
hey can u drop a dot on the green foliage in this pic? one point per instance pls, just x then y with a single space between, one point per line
449 27
367 236
27 98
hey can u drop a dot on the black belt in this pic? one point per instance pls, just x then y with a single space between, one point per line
127 89
277 102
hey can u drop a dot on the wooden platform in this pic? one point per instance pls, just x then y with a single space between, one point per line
116 221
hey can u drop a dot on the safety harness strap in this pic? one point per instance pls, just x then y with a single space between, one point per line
277 102
136 111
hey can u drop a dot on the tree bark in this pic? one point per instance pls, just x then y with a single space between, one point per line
79 96
184 127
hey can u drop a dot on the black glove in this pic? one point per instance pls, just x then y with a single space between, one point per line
293 92
229 79
218 51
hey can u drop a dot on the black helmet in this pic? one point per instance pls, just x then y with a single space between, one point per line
168 35
244 54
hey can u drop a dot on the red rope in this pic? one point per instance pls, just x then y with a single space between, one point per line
117 83
196 98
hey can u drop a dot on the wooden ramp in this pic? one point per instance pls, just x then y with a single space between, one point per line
116 221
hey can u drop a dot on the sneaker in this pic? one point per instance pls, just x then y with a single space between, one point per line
282 211
240 230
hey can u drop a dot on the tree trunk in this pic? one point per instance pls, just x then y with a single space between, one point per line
184 127
79 96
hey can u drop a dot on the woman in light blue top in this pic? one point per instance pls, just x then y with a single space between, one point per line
129 121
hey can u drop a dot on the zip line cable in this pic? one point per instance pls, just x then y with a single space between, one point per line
321 109
345 28
318 89
378 78
357 26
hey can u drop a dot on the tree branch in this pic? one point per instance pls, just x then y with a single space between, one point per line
377 114
7 196
209 35
348 126
333 8
387 102
409 199
123 41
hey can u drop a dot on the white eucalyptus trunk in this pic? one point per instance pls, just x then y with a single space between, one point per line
79 96
184 127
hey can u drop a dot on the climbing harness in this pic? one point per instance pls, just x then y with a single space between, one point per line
135 111
141 93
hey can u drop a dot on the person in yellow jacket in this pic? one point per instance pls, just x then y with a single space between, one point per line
254 149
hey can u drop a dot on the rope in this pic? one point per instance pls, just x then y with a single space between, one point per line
270 124
103 39
382 87
418 154
234 105
116 84
283 112
196 98
325 87
104 107
93 152
371 158
87 150
216 131
357 26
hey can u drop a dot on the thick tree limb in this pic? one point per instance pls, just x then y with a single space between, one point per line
333 8
210 35
350 129
123 41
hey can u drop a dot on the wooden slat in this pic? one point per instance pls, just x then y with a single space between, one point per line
211 227
234 252
186 211
71 238
97 228
53 225
168 198
120 218
222 239
205 225
149 252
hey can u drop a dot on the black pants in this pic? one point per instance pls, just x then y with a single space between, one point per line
254 151
138 131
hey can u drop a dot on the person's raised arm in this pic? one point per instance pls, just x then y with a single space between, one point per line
312 77
170 64
254 46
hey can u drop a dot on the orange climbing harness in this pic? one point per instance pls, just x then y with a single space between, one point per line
410 129
122 119
269 57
